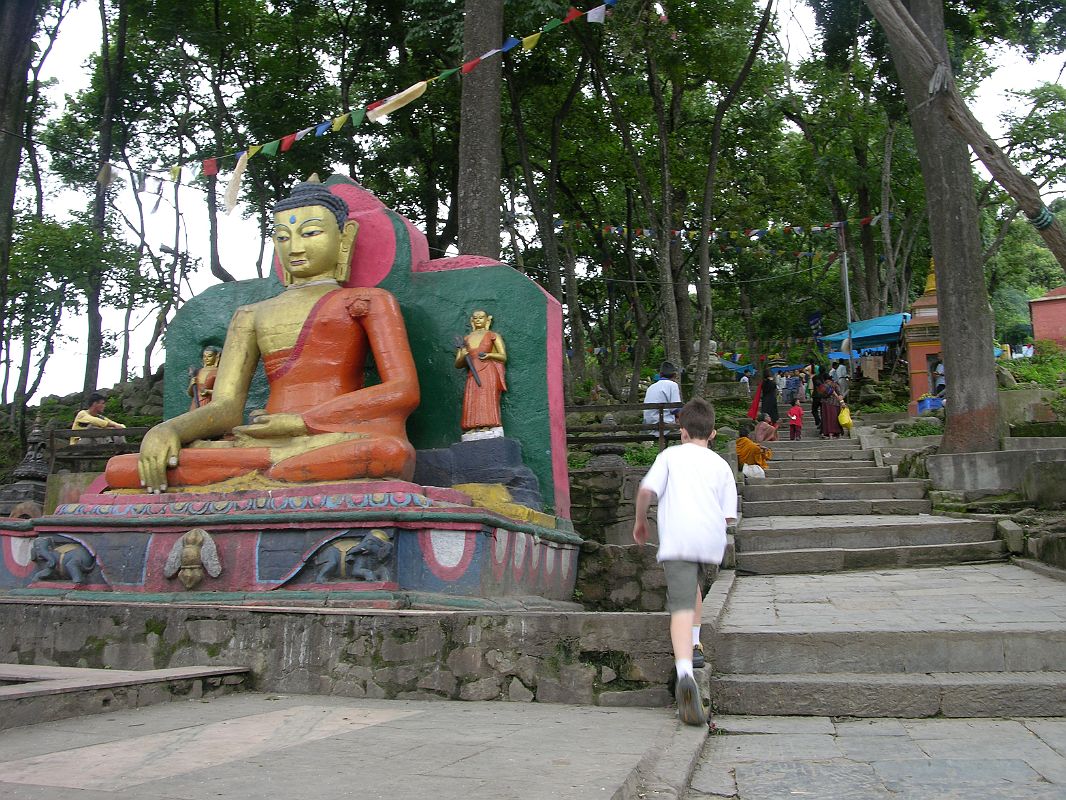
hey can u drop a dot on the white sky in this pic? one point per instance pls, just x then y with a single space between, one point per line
239 242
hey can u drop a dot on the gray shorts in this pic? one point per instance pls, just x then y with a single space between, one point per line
682 579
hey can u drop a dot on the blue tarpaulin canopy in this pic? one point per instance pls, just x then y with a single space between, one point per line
748 368
859 352
869 332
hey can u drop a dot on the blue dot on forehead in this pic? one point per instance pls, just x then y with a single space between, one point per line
292 218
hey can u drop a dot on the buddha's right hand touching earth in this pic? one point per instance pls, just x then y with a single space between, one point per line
159 450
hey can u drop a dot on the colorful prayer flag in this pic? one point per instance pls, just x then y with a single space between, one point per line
468 67
210 166
270 148
287 142
397 101
529 42
571 15
322 127
597 14
338 122
511 43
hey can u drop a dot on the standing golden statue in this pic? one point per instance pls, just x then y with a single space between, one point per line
320 422
202 380
482 353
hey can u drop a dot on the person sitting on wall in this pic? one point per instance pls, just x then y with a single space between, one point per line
664 390
315 338
93 417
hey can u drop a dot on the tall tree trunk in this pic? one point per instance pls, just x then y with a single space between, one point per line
112 64
17 25
704 294
973 419
479 132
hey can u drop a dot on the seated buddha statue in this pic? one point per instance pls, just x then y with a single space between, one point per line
321 423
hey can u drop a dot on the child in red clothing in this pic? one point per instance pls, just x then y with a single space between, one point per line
795 421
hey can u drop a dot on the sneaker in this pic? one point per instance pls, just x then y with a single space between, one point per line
689 705
698 661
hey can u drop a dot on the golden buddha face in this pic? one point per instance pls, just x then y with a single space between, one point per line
310 246
480 321
210 358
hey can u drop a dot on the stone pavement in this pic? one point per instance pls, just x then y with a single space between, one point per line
258 745
951 597
770 758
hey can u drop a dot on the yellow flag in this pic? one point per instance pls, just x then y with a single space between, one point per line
253 149
529 42
175 173
397 101
338 122
235 183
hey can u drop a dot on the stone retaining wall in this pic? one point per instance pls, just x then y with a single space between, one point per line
588 658
1000 470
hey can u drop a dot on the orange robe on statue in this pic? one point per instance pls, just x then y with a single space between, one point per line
481 404
360 432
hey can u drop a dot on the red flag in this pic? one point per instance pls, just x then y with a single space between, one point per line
571 15
210 166
287 141
469 65
753 409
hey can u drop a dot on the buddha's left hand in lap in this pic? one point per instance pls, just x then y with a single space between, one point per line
272 426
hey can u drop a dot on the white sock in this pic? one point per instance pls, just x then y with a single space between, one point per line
695 635
683 666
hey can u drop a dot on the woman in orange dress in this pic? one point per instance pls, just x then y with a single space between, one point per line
483 354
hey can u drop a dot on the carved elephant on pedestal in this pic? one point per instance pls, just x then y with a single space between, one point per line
67 560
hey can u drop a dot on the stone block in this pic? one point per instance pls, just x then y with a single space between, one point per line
357 648
209 631
466 662
375 692
574 685
607 674
518 693
653 601
1011 533
625 594
427 645
1044 483
650 697
502 663
481 689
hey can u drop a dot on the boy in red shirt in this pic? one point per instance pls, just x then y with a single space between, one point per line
795 421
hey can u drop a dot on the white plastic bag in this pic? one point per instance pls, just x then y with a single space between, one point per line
753 471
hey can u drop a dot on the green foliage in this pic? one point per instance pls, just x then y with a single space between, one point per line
577 459
920 428
1046 368
640 455
881 407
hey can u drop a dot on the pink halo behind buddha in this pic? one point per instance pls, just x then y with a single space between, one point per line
376 248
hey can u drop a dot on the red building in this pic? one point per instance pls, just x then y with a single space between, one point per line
1049 316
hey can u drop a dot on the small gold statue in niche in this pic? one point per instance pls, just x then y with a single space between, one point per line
202 380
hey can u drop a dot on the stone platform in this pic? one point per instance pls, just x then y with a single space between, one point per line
386 541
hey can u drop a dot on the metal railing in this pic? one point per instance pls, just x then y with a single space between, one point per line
96 444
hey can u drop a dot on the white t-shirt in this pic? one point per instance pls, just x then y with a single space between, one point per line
840 372
697 494
662 391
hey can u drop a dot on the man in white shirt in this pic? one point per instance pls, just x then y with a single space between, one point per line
664 390
840 375
745 382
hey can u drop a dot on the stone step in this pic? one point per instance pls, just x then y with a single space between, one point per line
814 453
876 477
822 444
947 694
837 559
46 693
820 471
773 508
837 491
852 533
992 647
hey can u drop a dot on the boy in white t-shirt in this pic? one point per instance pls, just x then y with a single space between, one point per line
697 499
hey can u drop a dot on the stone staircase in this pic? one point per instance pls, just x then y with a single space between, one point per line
829 505
804 632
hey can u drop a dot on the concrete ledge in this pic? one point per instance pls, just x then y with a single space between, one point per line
666 771
1041 568
1029 443
821 560
1000 471
48 693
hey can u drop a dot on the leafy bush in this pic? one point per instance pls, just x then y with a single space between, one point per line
1047 368
637 455
920 428
578 459
882 407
